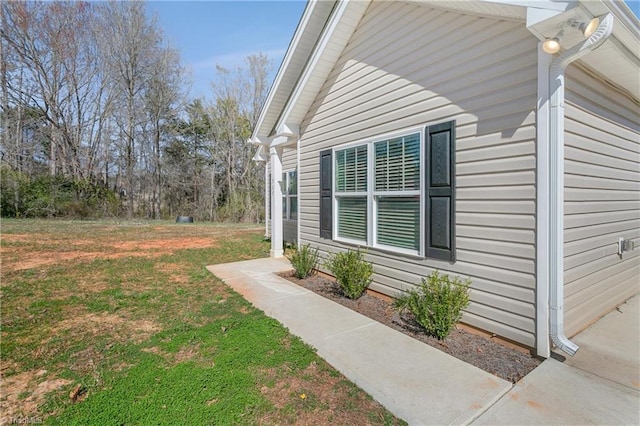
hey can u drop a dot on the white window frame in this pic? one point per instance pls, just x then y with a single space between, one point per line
337 194
286 197
372 195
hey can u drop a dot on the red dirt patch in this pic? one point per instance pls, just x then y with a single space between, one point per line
19 258
166 245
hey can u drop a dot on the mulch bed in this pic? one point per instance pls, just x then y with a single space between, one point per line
491 356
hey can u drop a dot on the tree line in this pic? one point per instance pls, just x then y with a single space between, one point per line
95 120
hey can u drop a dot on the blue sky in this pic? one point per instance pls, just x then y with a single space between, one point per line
225 32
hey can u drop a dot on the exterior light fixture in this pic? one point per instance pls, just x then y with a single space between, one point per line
586 28
589 28
551 45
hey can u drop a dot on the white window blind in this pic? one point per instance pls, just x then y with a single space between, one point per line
352 218
397 165
351 166
399 222
397 192
351 169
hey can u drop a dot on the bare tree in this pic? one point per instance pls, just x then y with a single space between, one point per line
163 99
146 78
92 100
55 71
238 96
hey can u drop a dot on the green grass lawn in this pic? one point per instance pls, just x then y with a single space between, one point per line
126 315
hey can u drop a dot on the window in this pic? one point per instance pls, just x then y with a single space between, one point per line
351 193
290 195
397 192
394 193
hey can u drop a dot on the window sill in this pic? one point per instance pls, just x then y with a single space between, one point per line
384 250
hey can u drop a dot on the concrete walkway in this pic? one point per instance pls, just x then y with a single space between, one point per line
599 385
421 384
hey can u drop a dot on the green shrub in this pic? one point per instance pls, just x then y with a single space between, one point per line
304 260
437 303
352 272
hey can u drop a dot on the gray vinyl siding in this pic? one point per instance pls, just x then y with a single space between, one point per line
602 199
408 65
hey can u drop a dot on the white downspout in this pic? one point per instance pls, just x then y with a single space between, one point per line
298 243
556 179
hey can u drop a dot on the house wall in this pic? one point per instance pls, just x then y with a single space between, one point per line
409 65
602 198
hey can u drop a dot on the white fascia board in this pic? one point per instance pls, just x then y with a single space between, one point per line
304 21
334 19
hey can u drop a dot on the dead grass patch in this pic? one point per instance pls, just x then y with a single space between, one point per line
22 258
314 396
24 392
184 354
177 273
117 327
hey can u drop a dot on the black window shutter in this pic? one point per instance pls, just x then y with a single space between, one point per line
326 194
440 191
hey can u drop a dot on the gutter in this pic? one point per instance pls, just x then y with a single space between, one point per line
556 179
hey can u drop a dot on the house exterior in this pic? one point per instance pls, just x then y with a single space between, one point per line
441 135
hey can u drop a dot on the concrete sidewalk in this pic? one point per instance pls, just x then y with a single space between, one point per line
423 385
414 381
597 386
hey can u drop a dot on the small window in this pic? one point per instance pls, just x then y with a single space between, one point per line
351 165
290 195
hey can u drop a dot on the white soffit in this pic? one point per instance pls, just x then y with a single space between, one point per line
302 45
496 9
332 42
617 61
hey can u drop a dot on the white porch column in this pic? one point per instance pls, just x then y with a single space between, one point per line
267 199
276 201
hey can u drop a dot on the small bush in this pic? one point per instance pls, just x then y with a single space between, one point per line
437 303
352 272
304 260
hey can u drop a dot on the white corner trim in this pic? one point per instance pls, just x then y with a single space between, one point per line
543 345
